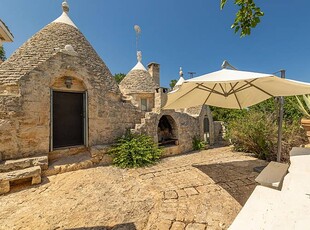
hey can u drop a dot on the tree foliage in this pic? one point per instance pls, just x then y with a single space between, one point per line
247 17
254 129
119 77
270 106
172 83
2 54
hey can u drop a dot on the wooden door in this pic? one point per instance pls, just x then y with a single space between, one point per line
68 119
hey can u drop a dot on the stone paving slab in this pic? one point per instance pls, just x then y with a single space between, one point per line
203 190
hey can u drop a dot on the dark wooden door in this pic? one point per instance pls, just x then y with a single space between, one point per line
68 119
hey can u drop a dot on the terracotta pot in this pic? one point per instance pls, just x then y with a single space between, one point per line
306 125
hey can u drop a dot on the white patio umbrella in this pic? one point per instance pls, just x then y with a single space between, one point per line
235 89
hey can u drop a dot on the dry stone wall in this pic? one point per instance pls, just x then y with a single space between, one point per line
29 129
186 127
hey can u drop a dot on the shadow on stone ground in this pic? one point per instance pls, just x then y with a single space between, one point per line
25 184
237 178
127 226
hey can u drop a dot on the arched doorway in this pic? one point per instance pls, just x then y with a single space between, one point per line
206 129
69 126
167 131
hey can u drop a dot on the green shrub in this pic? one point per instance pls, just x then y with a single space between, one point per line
293 136
134 150
198 144
257 133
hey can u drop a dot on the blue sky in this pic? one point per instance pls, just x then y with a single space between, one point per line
193 34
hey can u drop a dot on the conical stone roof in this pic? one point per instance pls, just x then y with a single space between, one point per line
45 44
138 80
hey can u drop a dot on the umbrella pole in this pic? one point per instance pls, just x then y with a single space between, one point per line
280 122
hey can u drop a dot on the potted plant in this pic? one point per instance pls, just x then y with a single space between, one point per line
304 107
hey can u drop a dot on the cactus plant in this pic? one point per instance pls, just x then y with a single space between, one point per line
304 107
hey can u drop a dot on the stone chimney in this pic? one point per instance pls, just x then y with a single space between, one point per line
153 69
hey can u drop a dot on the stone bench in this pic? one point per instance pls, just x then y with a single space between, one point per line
272 176
286 209
22 163
6 178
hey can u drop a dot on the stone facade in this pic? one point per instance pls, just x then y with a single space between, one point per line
185 127
34 70
59 59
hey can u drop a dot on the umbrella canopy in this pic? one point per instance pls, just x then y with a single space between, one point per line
233 89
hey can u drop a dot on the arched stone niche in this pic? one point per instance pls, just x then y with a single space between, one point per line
167 131
68 83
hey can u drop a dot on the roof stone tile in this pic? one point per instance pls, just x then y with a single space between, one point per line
138 81
41 47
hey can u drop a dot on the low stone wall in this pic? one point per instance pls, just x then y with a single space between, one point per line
219 131
186 127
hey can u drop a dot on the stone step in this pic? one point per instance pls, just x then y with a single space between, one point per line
7 177
60 153
11 165
75 162
135 131
138 126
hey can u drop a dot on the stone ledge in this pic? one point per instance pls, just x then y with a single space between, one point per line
59 153
99 150
10 165
5 178
272 176
171 150
78 161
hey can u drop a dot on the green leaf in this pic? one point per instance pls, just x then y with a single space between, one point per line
302 108
307 101
134 151
223 3
247 17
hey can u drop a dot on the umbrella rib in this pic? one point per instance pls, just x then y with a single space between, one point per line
188 92
209 89
250 83
236 97
233 88
224 93
210 94
246 86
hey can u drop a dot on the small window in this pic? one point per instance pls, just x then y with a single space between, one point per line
144 104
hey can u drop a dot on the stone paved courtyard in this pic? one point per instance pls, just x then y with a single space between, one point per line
203 190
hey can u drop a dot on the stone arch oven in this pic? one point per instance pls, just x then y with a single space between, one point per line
167 131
